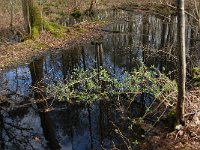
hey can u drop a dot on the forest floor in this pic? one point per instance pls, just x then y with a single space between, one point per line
24 52
186 137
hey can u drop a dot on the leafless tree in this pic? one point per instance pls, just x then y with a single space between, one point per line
182 62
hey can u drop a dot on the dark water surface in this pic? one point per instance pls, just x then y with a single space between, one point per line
132 38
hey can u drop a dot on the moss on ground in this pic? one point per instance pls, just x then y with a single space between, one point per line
171 118
196 76
38 23
55 29
76 14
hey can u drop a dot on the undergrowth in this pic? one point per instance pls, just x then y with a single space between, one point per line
92 85
87 87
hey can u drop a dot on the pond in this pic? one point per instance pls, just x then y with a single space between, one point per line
133 38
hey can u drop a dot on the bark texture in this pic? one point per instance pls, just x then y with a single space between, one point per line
32 17
182 62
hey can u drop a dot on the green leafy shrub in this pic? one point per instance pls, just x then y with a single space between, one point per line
93 85
76 14
196 76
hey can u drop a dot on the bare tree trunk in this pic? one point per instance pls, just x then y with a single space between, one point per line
197 11
34 22
11 14
92 7
32 17
26 13
182 62
198 15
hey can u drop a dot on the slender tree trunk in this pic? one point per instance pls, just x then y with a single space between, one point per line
199 15
145 38
92 7
182 62
197 10
11 14
26 13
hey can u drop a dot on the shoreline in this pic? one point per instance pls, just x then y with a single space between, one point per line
13 55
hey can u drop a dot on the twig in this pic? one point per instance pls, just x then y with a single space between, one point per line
124 138
192 113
